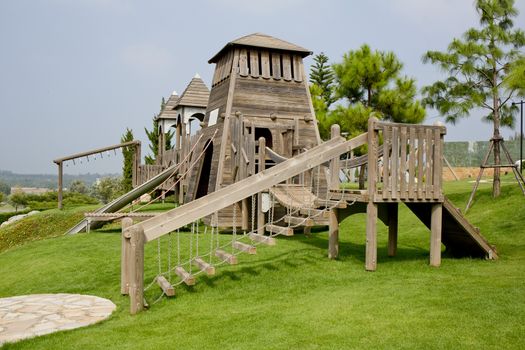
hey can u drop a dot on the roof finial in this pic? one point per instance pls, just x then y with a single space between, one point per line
197 76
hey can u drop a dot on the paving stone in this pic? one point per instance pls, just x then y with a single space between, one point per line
38 314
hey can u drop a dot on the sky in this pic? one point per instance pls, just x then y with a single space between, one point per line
74 74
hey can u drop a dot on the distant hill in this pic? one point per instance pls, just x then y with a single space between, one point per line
46 180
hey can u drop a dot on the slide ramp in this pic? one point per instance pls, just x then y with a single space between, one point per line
127 198
459 236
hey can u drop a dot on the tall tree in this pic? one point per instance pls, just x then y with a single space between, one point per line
153 137
371 81
477 66
515 80
322 75
127 167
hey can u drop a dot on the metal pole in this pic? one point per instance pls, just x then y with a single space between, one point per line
521 138
521 133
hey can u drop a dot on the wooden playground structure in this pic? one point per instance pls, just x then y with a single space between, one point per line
248 159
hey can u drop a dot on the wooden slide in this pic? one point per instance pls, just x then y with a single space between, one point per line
127 198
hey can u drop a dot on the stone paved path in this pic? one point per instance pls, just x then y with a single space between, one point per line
28 316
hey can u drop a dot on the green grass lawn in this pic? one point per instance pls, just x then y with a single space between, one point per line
292 297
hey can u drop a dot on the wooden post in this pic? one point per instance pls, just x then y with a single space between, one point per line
371 237
435 234
136 268
60 184
136 164
244 214
335 132
333 234
262 166
393 209
124 258
371 208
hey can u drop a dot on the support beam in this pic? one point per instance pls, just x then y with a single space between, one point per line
262 167
124 257
333 234
435 234
335 132
393 210
60 183
135 234
371 237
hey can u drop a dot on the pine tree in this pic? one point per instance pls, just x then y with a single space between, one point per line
322 75
127 168
477 66
153 137
371 81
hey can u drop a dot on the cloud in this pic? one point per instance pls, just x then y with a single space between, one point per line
146 58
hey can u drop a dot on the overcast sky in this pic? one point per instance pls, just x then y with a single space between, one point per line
75 73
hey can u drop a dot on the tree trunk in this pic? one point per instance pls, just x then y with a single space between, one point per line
496 184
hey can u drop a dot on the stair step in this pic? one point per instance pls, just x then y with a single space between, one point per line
229 258
250 249
166 287
279 230
204 266
263 239
185 276
317 213
299 221
330 203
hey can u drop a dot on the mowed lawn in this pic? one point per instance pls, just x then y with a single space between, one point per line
291 296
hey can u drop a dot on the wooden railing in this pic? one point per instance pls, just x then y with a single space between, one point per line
412 162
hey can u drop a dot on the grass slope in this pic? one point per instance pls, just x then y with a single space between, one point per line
291 296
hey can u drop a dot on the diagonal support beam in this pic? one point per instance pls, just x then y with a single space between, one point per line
224 197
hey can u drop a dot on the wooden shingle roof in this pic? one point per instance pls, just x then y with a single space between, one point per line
262 41
196 94
168 112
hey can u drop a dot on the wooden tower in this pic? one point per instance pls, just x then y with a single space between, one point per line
184 114
260 81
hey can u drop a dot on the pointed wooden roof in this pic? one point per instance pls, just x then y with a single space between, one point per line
196 94
167 112
263 41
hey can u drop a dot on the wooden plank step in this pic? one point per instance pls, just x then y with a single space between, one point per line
166 287
297 220
185 276
320 221
250 249
204 266
317 213
330 203
263 239
229 258
279 230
